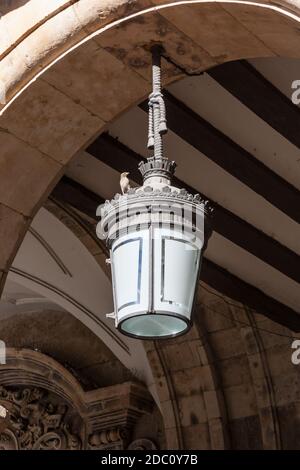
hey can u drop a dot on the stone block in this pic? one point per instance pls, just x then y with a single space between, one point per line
179 357
172 438
12 229
99 81
50 121
147 30
269 27
188 382
27 175
155 364
219 440
240 401
192 410
212 404
168 414
196 437
200 22
234 371
226 343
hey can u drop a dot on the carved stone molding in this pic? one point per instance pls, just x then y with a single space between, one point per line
142 444
111 439
113 412
48 409
39 420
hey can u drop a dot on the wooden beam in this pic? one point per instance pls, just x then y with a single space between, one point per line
231 157
233 287
121 158
73 193
250 87
76 195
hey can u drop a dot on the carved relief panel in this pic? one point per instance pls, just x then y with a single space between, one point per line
43 407
39 419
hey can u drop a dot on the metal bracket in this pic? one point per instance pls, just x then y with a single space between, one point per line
111 315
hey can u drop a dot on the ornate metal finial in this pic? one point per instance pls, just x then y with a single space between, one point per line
157 165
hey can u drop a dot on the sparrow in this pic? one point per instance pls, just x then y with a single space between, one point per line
124 182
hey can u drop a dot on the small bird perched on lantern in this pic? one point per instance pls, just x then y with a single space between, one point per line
124 182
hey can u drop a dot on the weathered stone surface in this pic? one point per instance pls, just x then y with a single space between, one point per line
168 414
33 173
226 343
156 365
240 401
172 438
212 404
99 81
200 23
50 122
193 410
269 27
246 433
289 418
179 358
48 408
12 229
17 17
217 437
96 367
130 46
235 371
188 381
196 437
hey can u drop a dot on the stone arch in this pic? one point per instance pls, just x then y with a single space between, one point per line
62 107
34 368
60 110
47 408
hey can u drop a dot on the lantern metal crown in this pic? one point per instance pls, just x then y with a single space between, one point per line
156 234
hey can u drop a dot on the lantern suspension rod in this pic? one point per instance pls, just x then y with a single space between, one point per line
157 125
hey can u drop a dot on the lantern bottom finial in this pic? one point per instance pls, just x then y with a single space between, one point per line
154 326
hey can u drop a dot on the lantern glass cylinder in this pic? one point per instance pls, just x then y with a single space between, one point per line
154 275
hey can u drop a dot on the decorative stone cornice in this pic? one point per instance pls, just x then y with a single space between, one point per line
118 406
44 400
38 420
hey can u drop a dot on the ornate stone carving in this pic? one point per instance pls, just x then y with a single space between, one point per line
111 439
48 409
37 420
142 444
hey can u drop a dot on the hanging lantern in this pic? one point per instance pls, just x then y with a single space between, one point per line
156 235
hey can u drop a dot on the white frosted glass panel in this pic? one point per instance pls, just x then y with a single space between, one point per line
150 326
179 270
127 259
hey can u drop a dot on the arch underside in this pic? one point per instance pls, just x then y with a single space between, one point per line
65 76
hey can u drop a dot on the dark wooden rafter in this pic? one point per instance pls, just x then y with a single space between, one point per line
233 287
231 157
70 192
84 200
118 156
250 87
